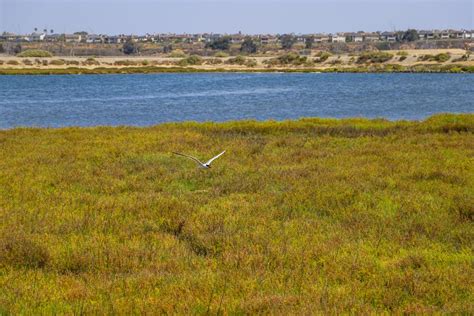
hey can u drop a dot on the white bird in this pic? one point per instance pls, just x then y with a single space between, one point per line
205 165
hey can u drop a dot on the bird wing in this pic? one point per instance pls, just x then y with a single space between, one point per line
190 157
214 158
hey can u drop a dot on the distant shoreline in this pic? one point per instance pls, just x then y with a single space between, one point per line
385 68
403 61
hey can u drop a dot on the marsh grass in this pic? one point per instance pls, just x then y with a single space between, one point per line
298 217
35 53
250 64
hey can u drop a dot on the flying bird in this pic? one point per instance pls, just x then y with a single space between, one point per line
205 165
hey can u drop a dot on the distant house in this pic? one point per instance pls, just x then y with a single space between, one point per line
371 37
197 38
236 39
456 34
72 38
426 35
301 39
355 37
268 39
468 35
147 38
134 39
52 38
11 37
37 37
444 35
114 39
338 38
94 39
389 36
212 37
322 38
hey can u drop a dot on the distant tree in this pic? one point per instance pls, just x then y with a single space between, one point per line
287 41
167 49
17 49
410 36
36 29
248 46
222 43
51 31
83 33
309 41
45 31
2 50
130 47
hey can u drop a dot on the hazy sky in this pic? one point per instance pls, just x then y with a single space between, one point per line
230 16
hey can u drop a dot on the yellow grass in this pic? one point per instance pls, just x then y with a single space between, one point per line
298 217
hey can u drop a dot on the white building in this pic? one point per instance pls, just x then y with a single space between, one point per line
356 37
94 38
338 38
389 36
37 37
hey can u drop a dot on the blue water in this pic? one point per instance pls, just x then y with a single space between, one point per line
89 100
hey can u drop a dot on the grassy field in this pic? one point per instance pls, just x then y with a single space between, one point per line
298 217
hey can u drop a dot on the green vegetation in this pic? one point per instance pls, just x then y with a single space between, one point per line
91 62
221 54
57 62
213 61
72 62
287 41
290 58
13 62
222 43
35 53
191 61
464 57
402 53
126 62
17 49
374 57
440 58
177 53
248 46
336 62
376 68
27 62
242 61
238 60
130 47
251 63
410 36
309 42
316 216
322 56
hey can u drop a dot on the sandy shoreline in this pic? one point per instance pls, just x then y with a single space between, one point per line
402 61
341 61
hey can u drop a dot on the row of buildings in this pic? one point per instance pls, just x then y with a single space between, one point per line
83 37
